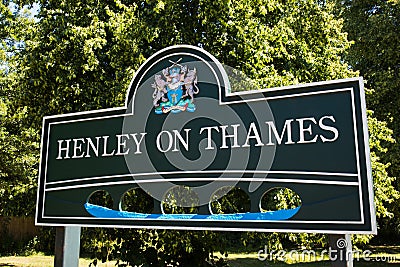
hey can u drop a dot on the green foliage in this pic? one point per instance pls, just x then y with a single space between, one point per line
19 163
84 54
180 199
12 21
280 198
153 247
136 200
18 142
374 27
230 200
384 190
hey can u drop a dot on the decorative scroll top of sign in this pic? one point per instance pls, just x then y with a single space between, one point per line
175 92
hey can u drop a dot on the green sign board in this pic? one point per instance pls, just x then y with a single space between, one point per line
182 126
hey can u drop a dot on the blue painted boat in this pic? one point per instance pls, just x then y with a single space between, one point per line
102 212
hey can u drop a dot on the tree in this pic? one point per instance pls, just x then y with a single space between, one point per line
85 53
18 142
374 27
81 55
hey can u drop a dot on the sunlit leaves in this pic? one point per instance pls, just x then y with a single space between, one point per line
374 28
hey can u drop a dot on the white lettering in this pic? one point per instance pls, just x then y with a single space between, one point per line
121 145
272 129
177 135
303 130
328 128
209 138
61 149
225 135
78 148
170 141
105 154
138 142
91 145
255 135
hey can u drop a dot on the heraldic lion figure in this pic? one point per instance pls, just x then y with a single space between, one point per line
159 90
191 84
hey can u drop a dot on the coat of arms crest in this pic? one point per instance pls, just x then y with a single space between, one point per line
174 90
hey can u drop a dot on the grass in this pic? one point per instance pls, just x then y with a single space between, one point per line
42 261
234 260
